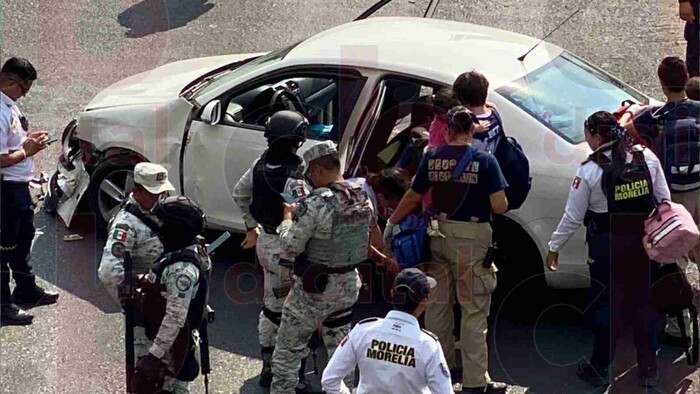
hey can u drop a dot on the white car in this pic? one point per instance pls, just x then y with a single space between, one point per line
360 84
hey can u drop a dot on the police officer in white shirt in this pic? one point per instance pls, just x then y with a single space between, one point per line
17 146
393 354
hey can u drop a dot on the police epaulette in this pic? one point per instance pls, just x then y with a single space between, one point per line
367 320
435 337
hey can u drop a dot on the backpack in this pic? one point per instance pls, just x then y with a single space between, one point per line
671 294
411 245
514 165
670 232
679 139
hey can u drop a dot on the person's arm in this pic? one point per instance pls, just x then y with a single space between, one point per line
658 179
437 374
341 364
685 11
496 187
243 196
120 239
574 212
294 235
30 147
410 201
179 280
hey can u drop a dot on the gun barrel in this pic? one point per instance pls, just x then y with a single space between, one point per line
129 326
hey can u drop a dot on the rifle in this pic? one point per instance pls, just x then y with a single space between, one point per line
204 348
129 324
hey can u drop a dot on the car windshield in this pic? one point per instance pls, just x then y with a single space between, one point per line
564 92
225 78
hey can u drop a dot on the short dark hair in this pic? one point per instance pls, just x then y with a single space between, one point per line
20 67
692 88
391 182
329 162
673 74
444 99
471 88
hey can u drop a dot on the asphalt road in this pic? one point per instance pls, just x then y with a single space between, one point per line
82 46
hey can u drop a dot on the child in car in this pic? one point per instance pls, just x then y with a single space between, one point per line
471 89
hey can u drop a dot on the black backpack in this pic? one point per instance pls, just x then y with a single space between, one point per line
514 165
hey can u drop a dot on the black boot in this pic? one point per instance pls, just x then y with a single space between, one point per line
303 387
12 315
266 373
36 296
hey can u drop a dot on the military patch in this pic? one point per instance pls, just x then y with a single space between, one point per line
181 295
299 191
577 183
183 282
119 235
122 226
301 209
342 343
118 250
444 370
161 176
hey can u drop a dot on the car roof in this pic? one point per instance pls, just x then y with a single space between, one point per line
435 49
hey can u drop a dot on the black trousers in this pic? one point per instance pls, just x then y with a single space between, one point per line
692 51
16 235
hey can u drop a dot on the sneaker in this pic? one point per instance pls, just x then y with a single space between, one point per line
37 297
490 388
592 375
650 381
12 315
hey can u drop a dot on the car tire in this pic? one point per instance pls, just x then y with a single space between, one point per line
110 184
522 286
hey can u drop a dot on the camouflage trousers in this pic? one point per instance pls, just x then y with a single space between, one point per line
141 346
276 279
302 314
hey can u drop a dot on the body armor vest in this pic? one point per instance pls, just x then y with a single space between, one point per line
268 184
351 218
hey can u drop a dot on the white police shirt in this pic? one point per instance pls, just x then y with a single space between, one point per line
586 193
394 356
12 135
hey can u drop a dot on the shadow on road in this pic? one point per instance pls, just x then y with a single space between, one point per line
154 16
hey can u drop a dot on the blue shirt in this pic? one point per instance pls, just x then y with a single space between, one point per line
468 197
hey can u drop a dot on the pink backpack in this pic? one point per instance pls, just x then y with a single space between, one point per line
670 232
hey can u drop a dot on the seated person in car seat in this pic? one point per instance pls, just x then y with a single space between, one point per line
413 152
471 89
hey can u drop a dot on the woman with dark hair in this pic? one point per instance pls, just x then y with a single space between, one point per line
613 192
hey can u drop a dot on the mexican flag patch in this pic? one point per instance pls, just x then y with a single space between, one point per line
119 235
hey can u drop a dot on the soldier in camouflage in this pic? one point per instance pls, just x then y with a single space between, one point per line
331 227
135 229
277 175
180 276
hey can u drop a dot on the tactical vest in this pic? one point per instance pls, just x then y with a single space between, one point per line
268 184
154 304
680 127
627 187
136 211
351 219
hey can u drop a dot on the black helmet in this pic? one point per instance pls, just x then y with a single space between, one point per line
286 124
183 220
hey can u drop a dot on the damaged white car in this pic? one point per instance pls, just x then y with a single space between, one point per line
364 85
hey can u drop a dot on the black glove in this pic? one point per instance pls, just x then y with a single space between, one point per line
149 376
128 296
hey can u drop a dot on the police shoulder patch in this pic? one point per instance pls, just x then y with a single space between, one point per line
368 320
118 250
435 337
183 282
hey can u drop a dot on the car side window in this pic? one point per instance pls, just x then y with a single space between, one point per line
326 100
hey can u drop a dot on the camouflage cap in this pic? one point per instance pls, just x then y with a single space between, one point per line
153 177
325 148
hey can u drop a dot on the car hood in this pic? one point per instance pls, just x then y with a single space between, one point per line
160 84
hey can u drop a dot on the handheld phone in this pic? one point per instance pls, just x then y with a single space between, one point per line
51 141
288 198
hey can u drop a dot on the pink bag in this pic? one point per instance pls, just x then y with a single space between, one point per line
670 232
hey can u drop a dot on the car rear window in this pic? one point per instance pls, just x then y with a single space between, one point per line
565 91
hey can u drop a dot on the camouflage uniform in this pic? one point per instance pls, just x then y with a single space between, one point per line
128 233
181 280
267 250
330 239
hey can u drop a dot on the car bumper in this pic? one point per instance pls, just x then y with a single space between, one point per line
68 183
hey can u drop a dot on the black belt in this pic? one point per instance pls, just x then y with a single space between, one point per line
324 269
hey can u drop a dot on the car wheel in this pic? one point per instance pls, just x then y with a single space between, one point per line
110 184
521 285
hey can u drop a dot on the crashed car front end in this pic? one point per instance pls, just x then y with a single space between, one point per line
70 180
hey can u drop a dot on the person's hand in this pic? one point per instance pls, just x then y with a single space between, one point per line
685 12
390 231
482 126
32 146
38 134
288 211
552 260
251 238
150 374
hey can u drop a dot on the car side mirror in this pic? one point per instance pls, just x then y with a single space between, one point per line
211 113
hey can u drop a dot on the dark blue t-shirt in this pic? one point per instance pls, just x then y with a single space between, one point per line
479 180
